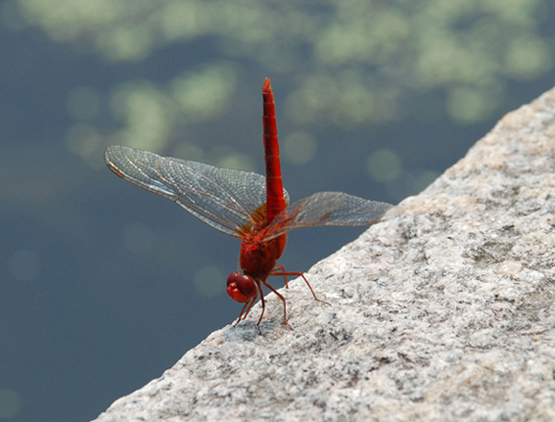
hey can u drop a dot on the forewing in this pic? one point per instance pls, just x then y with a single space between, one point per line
223 198
328 209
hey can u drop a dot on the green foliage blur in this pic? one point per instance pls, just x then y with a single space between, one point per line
352 63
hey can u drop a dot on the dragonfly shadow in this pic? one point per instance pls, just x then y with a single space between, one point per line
248 331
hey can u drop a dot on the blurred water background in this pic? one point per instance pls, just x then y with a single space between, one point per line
103 285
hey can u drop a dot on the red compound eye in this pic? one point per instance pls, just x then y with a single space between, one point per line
241 287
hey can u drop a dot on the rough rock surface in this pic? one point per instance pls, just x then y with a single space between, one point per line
443 313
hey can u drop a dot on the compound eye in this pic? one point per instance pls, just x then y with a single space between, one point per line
246 285
232 278
241 287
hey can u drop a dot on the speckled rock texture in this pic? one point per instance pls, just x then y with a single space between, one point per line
444 312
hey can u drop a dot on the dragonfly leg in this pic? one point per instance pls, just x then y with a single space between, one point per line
251 301
284 304
248 305
263 303
249 308
282 269
284 273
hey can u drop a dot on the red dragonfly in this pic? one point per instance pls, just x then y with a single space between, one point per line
245 205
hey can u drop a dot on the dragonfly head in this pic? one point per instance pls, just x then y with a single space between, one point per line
241 287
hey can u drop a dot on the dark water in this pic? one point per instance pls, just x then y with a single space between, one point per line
103 286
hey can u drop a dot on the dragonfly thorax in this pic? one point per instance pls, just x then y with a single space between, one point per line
257 258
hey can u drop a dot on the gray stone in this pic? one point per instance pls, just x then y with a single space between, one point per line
442 313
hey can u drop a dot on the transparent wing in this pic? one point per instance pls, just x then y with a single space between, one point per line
328 209
223 198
